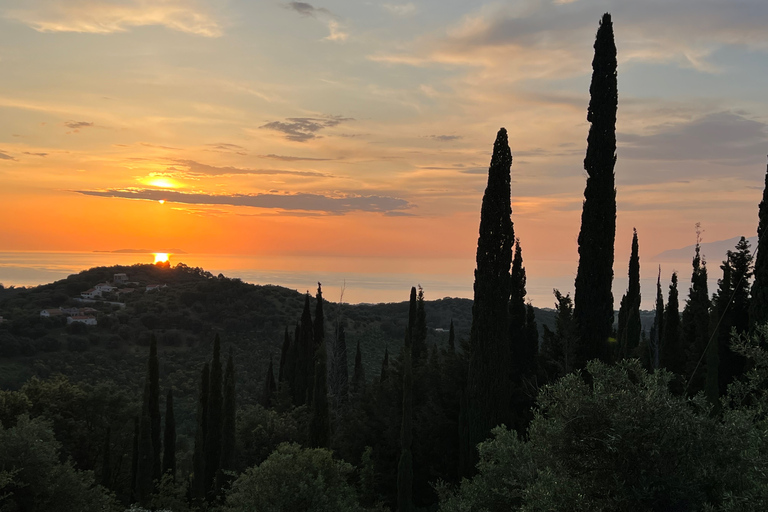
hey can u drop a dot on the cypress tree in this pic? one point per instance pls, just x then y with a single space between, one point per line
340 372
532 331
269 387
593 300
758 307
153 403
169 438
228 424
558 347
134 458
106 467
144 469
292 363
451 338
672 350
320 422
657 330
419 337
695 324
384 366
522 348
724 314
405 464
213 435
488 375
629 312
358 376
283 357
305 360
319 325
199 489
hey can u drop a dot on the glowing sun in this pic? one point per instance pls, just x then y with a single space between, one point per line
161 257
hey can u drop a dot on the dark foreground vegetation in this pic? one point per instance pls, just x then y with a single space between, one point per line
213 394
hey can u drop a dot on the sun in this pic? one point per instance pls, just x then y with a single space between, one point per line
161 257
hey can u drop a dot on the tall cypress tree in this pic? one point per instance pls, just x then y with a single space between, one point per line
106 464
593 300
213 435
384 366
695 324
419 337
672 350
153 403
228 425
269 387
721 312
134 459
169 438
358 376
320 421
340 371
405 464
283 357
657 330
305 366
629 312
199 489
758 307
522 348
532 332
144 468
488 375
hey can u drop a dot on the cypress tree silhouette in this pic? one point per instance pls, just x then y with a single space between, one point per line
339 372
695 324
283 357
672 350
758 307
134 459
169 438
488 376
228 424
419 332
657 330
213 434
320 422
723 313
384 366
106 467
532 333
405 464
153 404
522 348
629 311
144 468
269 388
358 376
199 489
305 365
593 300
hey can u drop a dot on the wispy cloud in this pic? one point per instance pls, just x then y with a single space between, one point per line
76 125
34 154
320 13
196 169
5 156
105 17
302 129
336 204
400 9
288 158
445 138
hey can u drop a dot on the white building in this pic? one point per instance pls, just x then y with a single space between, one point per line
93 293
120 278
48 313
105 287
153 287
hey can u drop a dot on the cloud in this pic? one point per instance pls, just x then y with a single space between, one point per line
337 205
302 129
400 9
288 158
445 138
76 125
5 156
323 14
196 170
227 148
110 16
722 137
35 154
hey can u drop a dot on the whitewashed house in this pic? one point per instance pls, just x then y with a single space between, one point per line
105 287
83 319
48 313
93 293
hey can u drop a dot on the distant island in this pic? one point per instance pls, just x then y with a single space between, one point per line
144 251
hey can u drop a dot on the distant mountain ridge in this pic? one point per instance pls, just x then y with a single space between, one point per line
712 251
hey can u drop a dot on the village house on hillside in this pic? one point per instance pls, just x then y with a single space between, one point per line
120 278
48 313
84 319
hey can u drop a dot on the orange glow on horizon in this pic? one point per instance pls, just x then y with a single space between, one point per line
161 257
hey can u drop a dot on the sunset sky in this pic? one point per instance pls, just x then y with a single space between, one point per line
359 132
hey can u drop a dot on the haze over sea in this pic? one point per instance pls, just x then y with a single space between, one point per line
368 280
